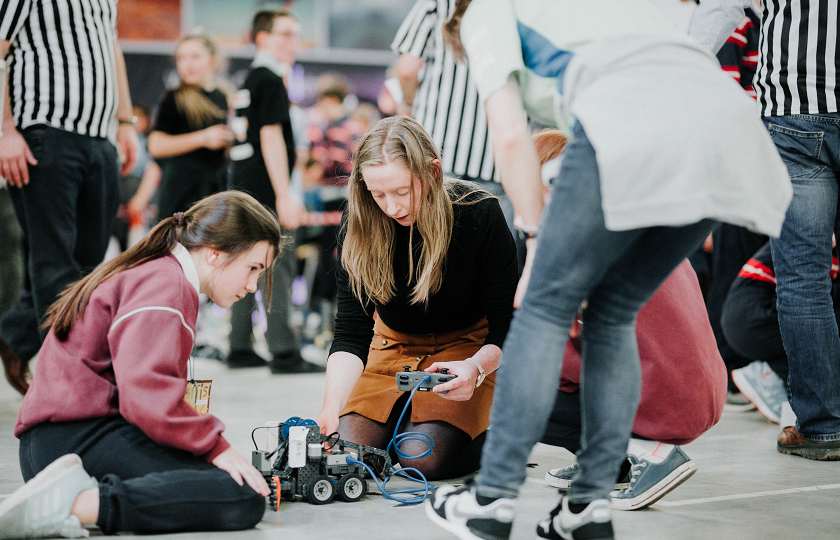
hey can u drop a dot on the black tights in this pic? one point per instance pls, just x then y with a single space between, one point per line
454 453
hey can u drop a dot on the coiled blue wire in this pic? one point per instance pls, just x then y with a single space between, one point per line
428 487
400 438
396 441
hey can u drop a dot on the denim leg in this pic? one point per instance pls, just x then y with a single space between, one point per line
809 146
574 255
610 371
561 278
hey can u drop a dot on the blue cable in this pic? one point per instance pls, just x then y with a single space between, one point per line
428 487
400 438
396 440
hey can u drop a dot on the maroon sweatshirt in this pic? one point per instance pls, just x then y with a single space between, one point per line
683 375
128 357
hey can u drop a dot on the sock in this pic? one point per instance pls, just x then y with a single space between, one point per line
651 451
788 416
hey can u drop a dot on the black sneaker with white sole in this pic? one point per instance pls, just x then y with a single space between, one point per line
457 511
592 523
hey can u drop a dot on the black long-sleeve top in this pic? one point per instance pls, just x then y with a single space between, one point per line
480 280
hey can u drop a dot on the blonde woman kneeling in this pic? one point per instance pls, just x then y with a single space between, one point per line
433 258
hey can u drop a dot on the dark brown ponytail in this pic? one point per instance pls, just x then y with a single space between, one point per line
230 222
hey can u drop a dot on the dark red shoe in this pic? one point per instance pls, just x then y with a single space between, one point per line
791 442
17 371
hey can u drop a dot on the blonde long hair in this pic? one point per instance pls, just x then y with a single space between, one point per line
198 109
370 239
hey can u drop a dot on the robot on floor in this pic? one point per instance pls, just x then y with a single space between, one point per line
303 467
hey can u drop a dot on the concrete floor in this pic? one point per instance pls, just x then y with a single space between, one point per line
743 489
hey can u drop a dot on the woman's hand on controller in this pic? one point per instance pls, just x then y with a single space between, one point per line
241 471
462 386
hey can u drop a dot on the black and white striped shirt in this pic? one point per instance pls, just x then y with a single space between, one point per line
447 103
799 62
62 69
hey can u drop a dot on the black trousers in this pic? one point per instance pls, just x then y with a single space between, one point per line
564 424
66 213
144 486
750 323
732 247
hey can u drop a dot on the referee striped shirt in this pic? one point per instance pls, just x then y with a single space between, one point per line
62 70
798 58
446 103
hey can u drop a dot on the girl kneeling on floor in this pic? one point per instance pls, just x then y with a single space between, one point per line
109 388
433 257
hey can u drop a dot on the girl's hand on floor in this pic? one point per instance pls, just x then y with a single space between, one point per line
240 470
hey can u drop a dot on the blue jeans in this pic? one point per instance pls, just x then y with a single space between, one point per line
810 147
578 259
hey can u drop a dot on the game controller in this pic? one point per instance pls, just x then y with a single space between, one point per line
407 379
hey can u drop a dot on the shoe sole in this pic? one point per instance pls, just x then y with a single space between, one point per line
562 483
808 452
461 531
751 394
659 490
42 480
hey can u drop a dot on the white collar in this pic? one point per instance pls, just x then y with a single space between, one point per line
263 59
187 264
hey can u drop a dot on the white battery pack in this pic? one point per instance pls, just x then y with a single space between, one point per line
297 446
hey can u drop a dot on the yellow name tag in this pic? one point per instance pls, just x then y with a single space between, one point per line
198 395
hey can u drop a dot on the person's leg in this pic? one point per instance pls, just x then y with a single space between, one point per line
448 458
279 336
750 323
732 246
49 215
610 370
564 424
802 261
359 429
11 253
241 334
144 487
283 343
574 251
97 204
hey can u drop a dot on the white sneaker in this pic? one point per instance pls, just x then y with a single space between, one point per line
41 507
766 390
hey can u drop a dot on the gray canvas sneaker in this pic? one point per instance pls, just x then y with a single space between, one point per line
562 478
652 481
